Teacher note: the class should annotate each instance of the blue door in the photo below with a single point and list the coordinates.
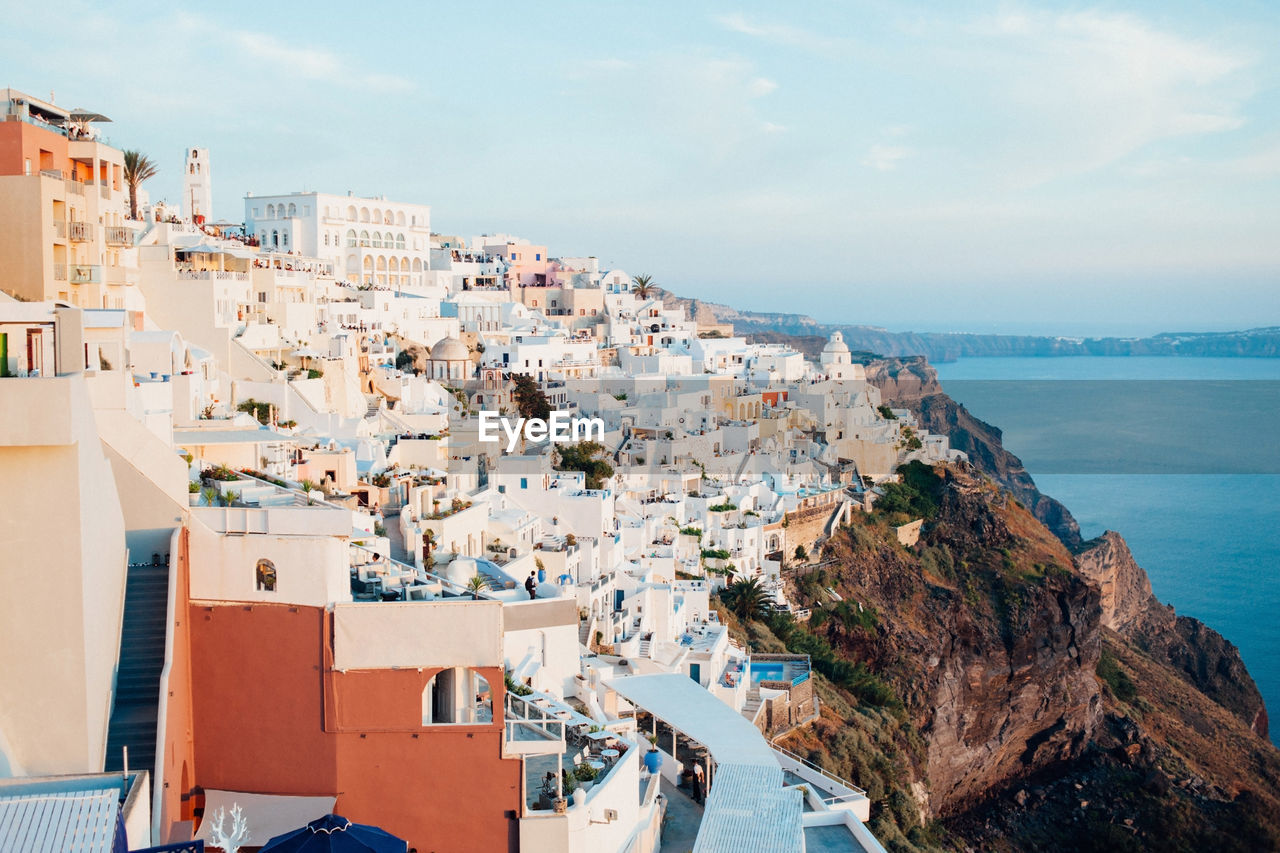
(695, 672)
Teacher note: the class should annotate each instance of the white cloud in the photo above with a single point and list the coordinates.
(760, 87)
(1087, 89)
(780, 33)
(884, 158)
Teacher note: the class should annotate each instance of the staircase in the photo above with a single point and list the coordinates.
(133, 718)
(373, 405)
(645, 648)
(751, 710)
(584, 632)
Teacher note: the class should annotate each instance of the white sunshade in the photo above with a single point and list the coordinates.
(686, 706)
(265, 815)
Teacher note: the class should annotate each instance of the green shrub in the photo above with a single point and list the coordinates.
(1117, 680)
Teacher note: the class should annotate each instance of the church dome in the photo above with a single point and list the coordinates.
(449, 349)
(836, 344)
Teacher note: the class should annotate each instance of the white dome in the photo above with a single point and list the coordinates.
(449, 349)
(836, 344)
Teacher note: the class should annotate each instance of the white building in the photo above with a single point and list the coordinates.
(197, 184)
(369, 240)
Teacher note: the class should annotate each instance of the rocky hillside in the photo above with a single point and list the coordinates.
(994, 690)
(912, 383)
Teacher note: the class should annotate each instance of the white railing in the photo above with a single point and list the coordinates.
(855, 791)
(520, 715)
(78, 232)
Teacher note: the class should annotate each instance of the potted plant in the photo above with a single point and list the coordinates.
(210, 496)
(476, 586)
(653, 758)
(193, 493)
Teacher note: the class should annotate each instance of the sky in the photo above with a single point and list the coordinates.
(957, 166)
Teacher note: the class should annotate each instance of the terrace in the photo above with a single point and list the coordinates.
(563, 751)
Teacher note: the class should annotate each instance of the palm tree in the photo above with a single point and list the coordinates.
(746, 598)
(645, 286)
(137, 168)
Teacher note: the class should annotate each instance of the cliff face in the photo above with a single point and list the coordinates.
(912, 383)
(1199, 654)
(986, 633)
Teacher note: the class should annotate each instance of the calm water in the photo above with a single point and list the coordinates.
(1209, 541)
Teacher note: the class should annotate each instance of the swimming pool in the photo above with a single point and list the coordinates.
(776, 670)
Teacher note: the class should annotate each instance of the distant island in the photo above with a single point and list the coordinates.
(948, 346)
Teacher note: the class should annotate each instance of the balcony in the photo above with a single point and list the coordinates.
(54, 173)
(86, 273)
(79, 232)
(118, 235)
(60, 230)
(120, 275)
(59, 272)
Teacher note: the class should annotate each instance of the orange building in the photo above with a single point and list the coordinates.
(64, 233)
(394, 708)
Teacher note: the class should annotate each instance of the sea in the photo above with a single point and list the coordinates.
(1179, 455)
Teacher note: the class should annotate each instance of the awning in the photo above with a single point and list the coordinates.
(267, 815)
(687, 707)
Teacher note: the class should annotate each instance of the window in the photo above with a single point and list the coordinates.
(364, 238)
(265, 576)
(457, 696)
(537, 256)
(271, 211)
(399, 241)
(275, 238)
(524, 482)
(351, 238)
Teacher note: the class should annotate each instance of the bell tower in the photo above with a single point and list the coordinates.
(197, 185)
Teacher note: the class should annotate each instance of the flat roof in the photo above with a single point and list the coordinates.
(187, 437)
(685, 705)
(55, 821)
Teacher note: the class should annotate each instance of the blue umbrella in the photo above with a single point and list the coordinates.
(336, 834)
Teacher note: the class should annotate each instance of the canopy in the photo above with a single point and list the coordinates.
(266, 815)
(81, 114)
(337, 834)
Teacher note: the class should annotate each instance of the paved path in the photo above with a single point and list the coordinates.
(398, 551)
(684, 816)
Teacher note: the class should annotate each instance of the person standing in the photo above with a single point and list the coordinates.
(531, 586)
(699, 783)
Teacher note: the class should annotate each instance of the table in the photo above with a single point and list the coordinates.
(610, 753)
(596, 764)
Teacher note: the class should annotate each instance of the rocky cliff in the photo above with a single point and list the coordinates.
(1198, 654)
(995, 690)
(912, 383)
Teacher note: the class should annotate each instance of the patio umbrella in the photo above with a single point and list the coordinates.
(335, 834)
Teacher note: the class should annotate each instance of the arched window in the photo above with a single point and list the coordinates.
(457, 696)
(393, 265)
(271, 211)
(265, 576)
(388, 218)
(293, 210)
(400, 217)
(377, 239)
(351, 238)
(417, 265)
(326, 238)
(364, 238)
(351, 213)
(364, 214)
(275, 238)
(284, 239)
(377, 216)
(399, 241)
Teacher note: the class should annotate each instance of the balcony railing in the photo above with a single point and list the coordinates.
(118, 235)
(79, 232)
(74, 186)
(59, 272)
(104, 190)
(86, 273)
(60, 230)
(54, 173)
